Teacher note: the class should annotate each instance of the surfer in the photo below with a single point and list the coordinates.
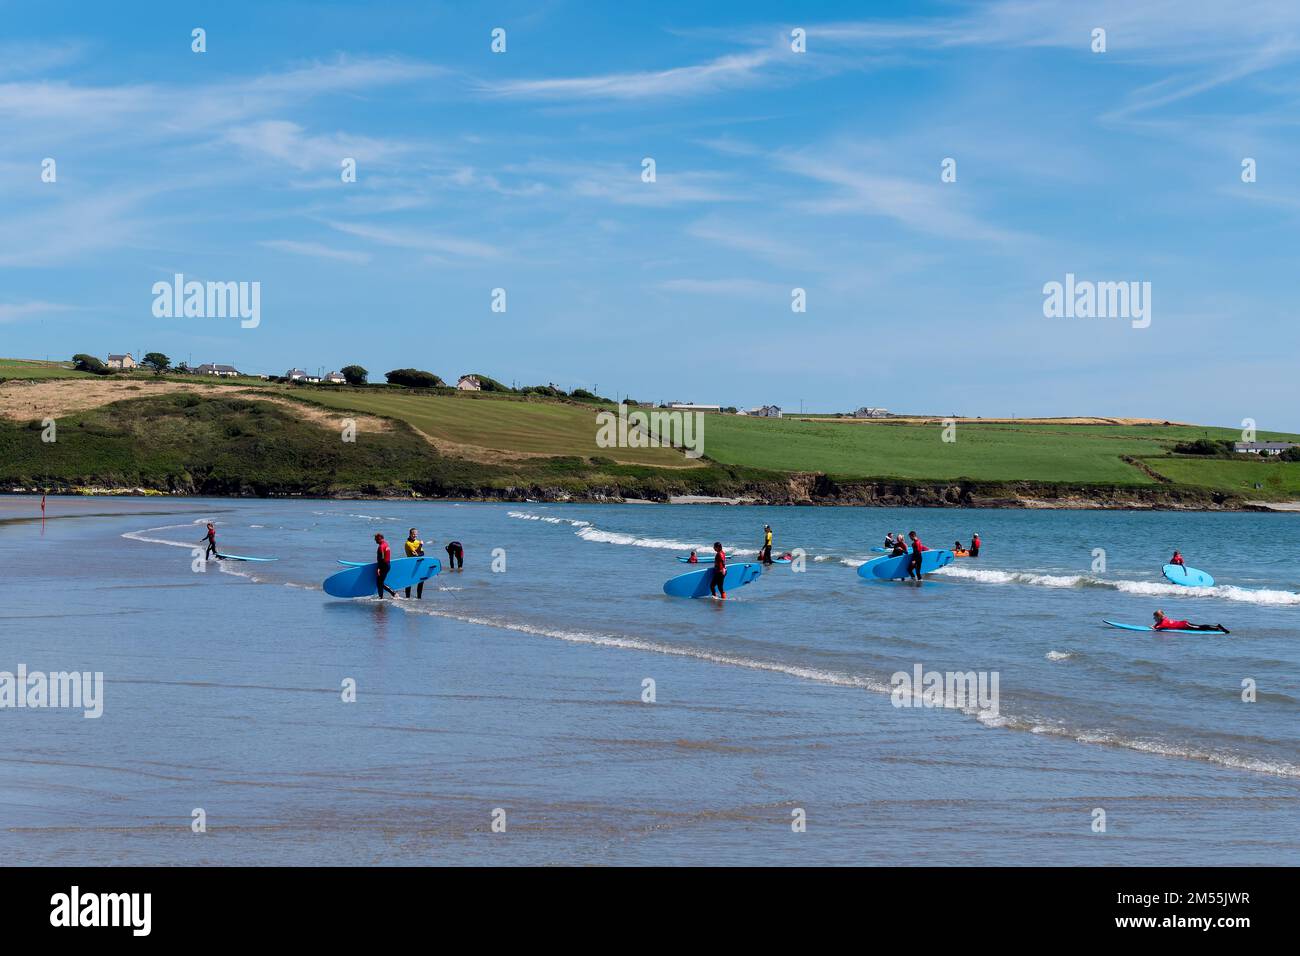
(717, 583)
(415, 549)
(693, 559)
(889, 541)
(914, 566)
(900, 546)
(455, 556)
(1164, 623)
(766, 554)
(1178, 559)
(975, 545)
(384, 560)
(211, 539)
(959, 551)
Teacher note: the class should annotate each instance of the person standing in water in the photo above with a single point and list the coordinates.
(717, 583)
(211, 539)
(914, 566)
(415, 549)
(900, 545)
(1178, 559)
(975, 545)
(766, 554)
(384, 560)
(889, 541)
(455, 556)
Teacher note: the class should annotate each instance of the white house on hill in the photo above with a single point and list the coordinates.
(866, 411)
(469, 383)
(223, 371)
(335, 378)
(121, 361)
(766, 411)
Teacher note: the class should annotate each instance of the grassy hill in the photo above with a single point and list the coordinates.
(185, 434)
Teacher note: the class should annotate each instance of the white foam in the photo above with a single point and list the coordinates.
(1058, 655)
(1225, 592)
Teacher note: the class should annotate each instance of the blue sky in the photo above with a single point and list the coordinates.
(775, 170)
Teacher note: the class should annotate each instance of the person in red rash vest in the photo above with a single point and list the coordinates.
(717, 584)
(383, 558)
(1165, 623)
(1177, 559)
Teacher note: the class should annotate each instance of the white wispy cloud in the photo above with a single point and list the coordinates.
(316, 250)
(732, 287)
(417, 240)
(18, 311)
(725, 72)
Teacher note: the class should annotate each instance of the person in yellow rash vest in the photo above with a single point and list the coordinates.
(415, 549)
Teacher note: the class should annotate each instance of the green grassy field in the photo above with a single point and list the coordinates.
(539, 427)
(1280, 480)
(32, 369)
(984, 452)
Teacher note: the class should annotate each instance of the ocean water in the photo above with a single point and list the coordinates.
(515, 694)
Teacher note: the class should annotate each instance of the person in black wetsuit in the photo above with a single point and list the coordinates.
(211, 539)
(455, 556)
(914, 565)
(718, 580)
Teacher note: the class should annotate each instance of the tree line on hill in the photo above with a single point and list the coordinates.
(158, 363)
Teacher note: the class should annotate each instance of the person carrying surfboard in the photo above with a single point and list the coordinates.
(211, 539)
(384, 560)
(900, 546)
(455, 556)
(1164, 623)
(914, 566)
(1177, 559)
(765, 555)
(414, 549)
(717, 584)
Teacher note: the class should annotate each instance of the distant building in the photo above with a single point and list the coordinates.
(335, 378)
(866, 411)
(765, 411)
(224, 371)
(296, 375)
(688, 407)
(1267, 448)
(469, 383)
(121, 361)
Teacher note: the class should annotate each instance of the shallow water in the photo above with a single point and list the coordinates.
(521, 690)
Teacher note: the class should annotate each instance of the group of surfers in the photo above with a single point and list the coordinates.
(1163, 622)
(414, 549)
(383, 558)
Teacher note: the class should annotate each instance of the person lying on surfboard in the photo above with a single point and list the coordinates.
(1177, 559)
(211, 539)
(1164, 623)
(719, 579)
(693, 559)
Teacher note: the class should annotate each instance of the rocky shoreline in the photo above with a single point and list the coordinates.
(798, 490)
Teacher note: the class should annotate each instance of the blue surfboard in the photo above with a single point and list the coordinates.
(695, 584)
(892, 569)
(242, 557)
(1188, 577)
(359, 581)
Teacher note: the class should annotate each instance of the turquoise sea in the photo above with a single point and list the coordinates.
(519, 695)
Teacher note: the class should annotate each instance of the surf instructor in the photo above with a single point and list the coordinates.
(415, 549)
(914, 566)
